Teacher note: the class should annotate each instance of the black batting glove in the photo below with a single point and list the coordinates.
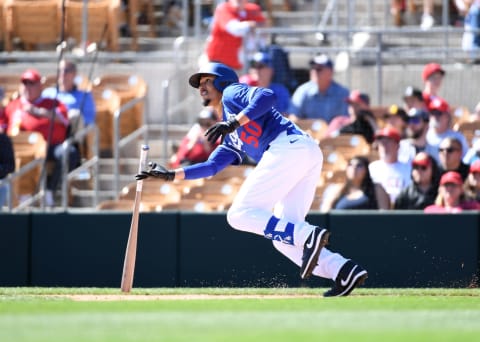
(157, 171)
(221, 129)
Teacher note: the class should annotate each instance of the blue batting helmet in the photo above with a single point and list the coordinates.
(224, 75)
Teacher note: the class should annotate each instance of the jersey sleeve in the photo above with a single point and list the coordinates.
(219, 159)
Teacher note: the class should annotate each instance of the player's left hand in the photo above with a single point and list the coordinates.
(157, 171)
(221, 129)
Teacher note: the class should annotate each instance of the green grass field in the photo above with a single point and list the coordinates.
(90, 314)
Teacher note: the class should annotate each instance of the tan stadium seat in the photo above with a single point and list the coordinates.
(128, 87)
(28, 146)
(107, 101)
(33, 22)
(103, 16)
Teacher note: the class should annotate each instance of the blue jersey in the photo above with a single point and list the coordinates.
(251, 139)
(265, 124)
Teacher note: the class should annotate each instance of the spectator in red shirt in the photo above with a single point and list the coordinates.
(233, 21)
(451, 196)
(432, 76)
(31, 112)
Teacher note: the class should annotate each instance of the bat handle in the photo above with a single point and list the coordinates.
(143, 157)
(141, 166)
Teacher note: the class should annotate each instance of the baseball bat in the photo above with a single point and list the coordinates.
(131, 251)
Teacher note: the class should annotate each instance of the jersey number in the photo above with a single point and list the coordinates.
(250, 134)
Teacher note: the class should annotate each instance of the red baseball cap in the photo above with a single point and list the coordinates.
(430, 69)
(421, 159)
(31, 75)
(389, 132)
(451, 177)
(475, 166)
(439, 104)
(358, 98)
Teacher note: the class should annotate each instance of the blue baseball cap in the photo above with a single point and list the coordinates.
(259, 59)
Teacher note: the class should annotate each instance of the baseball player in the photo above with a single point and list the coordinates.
(289, 163)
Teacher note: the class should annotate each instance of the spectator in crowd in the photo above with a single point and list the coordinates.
(472, 183)
(359, 191)
(441, 126)
(450, 157)
(7, 164)
(194, 147)
(413, 98)
(360, 120)
(416, 136)
(473, 153)
(32, 112)
(451, 196)
(432, 76)
(260, 74)
(424, 187)
(321, 97)
(471, 40)
(387, 171)
(80, 104)
(233, 21)
(396, 117)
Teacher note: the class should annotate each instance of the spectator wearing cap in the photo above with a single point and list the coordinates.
(441, 126)
(432, 76)
(194, 147)
(321, 97)
(424, 187)
(260, 74)
(451, 196)
(472, 183)
(388, 171)
(360, 120)
(31, 112)
(413, 98)
(450, 157)
(416, 136)
(396, 117)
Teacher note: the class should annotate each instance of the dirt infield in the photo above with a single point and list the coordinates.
(133, 297)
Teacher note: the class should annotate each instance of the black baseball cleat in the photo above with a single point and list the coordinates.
(350, 276)
(311, 250)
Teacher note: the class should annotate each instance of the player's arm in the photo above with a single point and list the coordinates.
(260, 101)
(220, 158)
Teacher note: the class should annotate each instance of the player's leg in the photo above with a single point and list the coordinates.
(286, 164)
(294, 206)
(252, 207)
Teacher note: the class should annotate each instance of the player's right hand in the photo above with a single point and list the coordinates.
(157, 171)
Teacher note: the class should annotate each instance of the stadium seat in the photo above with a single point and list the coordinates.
(107, 101)
(128, 87)
(155, 193)
(28, 146)
(471, 130)
(347, 145)
(33, 22)
(10, 84)
(103, 16)
(219, 194)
